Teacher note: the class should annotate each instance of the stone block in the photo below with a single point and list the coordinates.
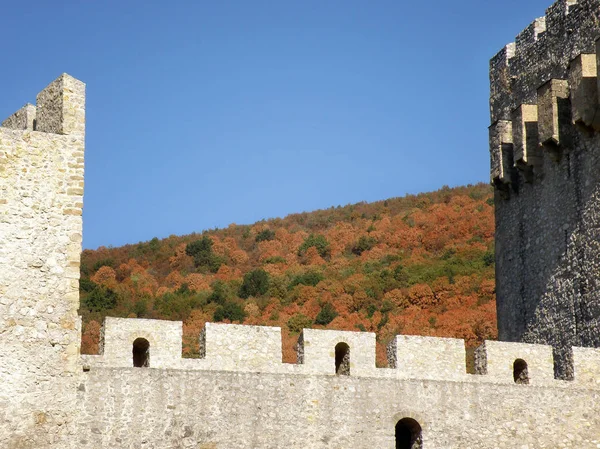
(519, 363)
(428, 357)
(336, 352)
(163, 339)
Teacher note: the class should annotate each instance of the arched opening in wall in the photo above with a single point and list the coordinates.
(342, 359)
(520, 373)
(408, 434)
(141, 353)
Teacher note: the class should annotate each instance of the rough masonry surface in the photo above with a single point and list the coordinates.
(139, 392)
(545, 152)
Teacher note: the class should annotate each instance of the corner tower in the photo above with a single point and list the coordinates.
(545, 168)
(41, 194)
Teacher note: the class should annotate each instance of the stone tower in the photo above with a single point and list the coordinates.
(41, 194)
(545, 157)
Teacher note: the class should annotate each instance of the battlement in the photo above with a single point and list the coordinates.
(540, 53)
(60, 109)
(257, 349)
(540, 86)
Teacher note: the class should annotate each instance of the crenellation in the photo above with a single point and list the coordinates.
(501, 153)
(257, 349)
(542, 52)
(556, 15)
(500, 81)
(501, 359)
(236, 347)
(23, 119)
(61, 107)
(164, 338)
(586, 362)
(319, 351)
(431, 358)
(530, 35)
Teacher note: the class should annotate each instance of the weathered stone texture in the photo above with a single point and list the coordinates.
(544, 149)
(39, 289)
(241, 395)
(542, 52)
(499, 362)
(24, 118)
(199, 409)
(427, 357)
(545, 164)
(120, 333)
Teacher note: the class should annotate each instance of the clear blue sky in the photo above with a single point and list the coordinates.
(206, 113)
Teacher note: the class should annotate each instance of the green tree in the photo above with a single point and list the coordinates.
(298, 322)
(104, 263)
(309, 278)
(201, 251)
(87, 285)
(140, 308)
(326, 314)
(99, 299)
(231, 311)
(364, 243)
(220, 293)
(318, 241)
(265, 235)
(154, 245)
(489, 258)
(278, 287)
(255, 283)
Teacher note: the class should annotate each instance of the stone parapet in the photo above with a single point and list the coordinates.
(24, 118)
(257, 349)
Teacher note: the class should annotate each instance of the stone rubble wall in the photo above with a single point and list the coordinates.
(545, 160)
(41, 188)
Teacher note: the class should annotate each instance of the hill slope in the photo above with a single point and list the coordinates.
(421, 264)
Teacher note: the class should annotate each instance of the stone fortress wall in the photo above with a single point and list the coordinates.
(545, 153)
(41, 192)
(140, 393)
(240, 394)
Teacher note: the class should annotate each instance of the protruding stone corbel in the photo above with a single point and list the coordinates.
(583, 80)
(554, 115)
(527, 153)
(500, 137)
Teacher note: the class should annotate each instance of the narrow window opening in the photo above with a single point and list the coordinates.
(520, 373)
(342, 359)
(408, 434)
(141, 353)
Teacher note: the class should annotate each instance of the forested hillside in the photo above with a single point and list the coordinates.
(421, 264)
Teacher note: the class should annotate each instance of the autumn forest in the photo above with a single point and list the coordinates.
(421, 264)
